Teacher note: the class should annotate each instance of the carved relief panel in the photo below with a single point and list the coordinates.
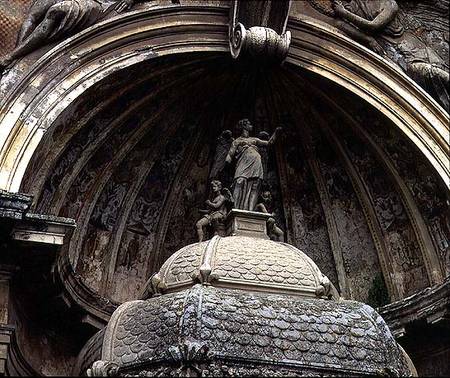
(399, 236)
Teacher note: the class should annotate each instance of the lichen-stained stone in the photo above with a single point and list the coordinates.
(201, 320)
(260, 264)
(228, 327)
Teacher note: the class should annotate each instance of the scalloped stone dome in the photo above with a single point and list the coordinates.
(244, 306)
(208, 331)
(243, 262)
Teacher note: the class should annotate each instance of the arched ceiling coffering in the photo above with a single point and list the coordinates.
(118, 132)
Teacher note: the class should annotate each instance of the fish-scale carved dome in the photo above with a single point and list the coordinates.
(243, 262)
(212, 331)
(245, 306)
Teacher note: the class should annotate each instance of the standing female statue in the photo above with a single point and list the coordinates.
(249, 171)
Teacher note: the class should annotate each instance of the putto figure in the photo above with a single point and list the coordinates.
(249, 171)
(273, 230)
(217, 209)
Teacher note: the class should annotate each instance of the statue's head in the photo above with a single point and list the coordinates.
(244, 124)
(216, 185)
(227, 134)
(264, 135)
(266, 196)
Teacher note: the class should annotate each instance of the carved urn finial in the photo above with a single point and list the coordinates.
(258, 29)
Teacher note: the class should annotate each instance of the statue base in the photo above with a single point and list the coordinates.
(247, 223)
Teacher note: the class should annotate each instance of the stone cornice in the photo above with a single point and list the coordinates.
(14, 205)
(44, 92)
(431, 305)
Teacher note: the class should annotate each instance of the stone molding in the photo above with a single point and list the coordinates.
(17, 365)
(431, 305)
(96, 310)
(33, 106)
(14, 205)
(30, 227)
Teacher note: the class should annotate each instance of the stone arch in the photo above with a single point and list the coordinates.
(41, 95)
(39, 99)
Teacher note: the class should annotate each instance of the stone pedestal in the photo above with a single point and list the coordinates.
(247, 223)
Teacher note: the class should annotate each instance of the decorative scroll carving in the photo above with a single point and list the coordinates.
(103, 369)
(258, 29)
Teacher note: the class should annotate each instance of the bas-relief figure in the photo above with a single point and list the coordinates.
(53, 20)
(390, 29)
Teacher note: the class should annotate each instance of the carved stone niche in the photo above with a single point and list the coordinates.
(258, 29)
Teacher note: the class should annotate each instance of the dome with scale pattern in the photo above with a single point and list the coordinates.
(243, 262)
(243, 306)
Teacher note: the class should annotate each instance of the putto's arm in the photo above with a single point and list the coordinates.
(217, 203)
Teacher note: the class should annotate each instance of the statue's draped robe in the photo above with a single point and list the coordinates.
(249, 169)
(78, 14)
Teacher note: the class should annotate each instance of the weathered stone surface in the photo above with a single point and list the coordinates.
(250, 262)
(234, 327)
(78, 151)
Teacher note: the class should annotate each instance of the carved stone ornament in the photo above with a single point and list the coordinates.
(405, 33)
(54, 20)
(103, 369)
(259, 30)
(188, 355)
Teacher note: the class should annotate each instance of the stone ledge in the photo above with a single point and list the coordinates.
(431, 305)
(44, 229)
(14, 205)
(25, 226)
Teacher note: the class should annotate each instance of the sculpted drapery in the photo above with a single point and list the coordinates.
(249, 171)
